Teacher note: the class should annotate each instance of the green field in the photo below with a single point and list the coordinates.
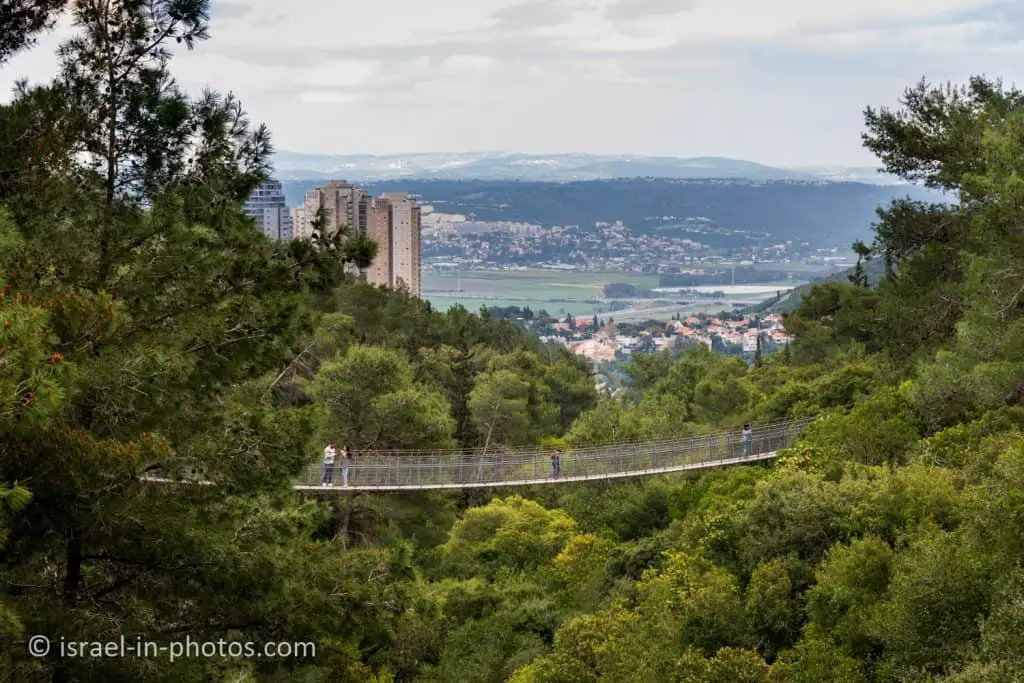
(532, 283)
(557, 292)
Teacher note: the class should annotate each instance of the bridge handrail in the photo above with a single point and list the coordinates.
(510, 450)
(447, 469)
(453, 469)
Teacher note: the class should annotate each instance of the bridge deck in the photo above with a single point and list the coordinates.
(394, 471)
(564, 478)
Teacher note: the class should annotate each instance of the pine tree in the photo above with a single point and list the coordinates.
(22, 20)
(347, 248)
(159, 312)
(140, 121)
(859, 278)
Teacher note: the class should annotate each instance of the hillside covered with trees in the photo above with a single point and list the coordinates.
(148, 326)
(823, 214)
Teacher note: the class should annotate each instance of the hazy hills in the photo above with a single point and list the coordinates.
(552, 167)
(821, 213)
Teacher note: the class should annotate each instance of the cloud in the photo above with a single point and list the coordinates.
(337, 73)
(315, 25)
(771, 81)
(938, 37)
(605, 71)
(223, 9)
(531, 15)
(635, 9)
(330, 97)
(1005, 20)
(460, 64)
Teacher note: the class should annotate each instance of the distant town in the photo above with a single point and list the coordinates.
(607, 341)
(453, 241)
(412, 238)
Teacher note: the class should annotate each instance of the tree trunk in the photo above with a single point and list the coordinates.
(107, 228)
(73, 571)
(72, 581)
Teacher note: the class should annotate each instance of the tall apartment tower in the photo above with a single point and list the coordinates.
(344, 204)
(268, 207)
(394, 224)
(301, 230)
(379, 230)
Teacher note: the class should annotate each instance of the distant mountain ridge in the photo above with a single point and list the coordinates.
(546, 167)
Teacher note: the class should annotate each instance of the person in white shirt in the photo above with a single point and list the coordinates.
(746, 440)
(328, 465)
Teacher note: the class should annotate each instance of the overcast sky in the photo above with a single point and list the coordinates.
(781, 82)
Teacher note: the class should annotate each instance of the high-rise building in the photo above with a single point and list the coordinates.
(344, 204)
(394, 224)
(301, 230)
(391, 220)
(268, 207)
(379, 230)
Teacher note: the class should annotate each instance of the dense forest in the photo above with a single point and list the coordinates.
(149, 327)
(824, 214)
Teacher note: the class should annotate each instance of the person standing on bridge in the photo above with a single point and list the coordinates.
(346, 462)
(328, 465)
(747, 432)
(556, 464)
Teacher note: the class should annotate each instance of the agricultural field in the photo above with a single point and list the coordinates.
(560, 292)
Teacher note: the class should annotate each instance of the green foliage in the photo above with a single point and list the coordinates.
(878, 430)
(884, 545)
(499, 406)
(850, 582)
(372, 401)
(833, 315)
(512, 533)
(770, 607)
(22, 20)
(938, 593)
(146, 328)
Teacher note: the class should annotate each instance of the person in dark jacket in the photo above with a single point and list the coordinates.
(346, 462)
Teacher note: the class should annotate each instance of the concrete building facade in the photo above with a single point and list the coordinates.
(301, 230)
(344, 205)
(395, 224)
(379, 230)
(268, 207)
(405, 242)
(392, 220)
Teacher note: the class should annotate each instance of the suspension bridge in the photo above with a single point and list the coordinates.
(426, 470)
(420, 470)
